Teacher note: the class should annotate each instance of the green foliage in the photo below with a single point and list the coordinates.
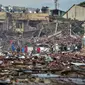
(82, 4)
(44, 9)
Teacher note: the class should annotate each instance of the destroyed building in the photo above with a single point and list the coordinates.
(21, 21)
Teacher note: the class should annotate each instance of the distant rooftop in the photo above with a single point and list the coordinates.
(18, 9)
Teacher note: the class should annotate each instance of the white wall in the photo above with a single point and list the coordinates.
(76, 12)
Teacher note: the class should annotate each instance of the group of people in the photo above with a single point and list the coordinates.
(19, 49)
(25, 49)
(71, 47)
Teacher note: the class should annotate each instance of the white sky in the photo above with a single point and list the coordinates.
(63, 4)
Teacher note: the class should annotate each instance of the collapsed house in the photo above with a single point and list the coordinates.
(21, 22)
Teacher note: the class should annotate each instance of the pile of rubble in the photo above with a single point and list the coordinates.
(42, 68)
(44, 60)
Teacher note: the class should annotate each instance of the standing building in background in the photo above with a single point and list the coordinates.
(57, 12)
(76, 12)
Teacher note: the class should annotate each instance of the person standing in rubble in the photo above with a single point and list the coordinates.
(76, 48)
(26, 49)
(79, 46)
(18, 49)
(38, 50)
(22, 50)
(13, 47)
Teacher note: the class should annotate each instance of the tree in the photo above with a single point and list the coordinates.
(37, 10)
(44, 9)
(82, 4)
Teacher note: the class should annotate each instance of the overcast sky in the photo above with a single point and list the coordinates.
(63, 4)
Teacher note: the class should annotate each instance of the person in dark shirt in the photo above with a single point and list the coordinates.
(18, 49)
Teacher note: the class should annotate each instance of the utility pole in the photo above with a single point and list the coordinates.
(56, 26)
(40, 30)
(56, 4)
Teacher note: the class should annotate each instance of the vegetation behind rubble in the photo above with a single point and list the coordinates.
(82, 4)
